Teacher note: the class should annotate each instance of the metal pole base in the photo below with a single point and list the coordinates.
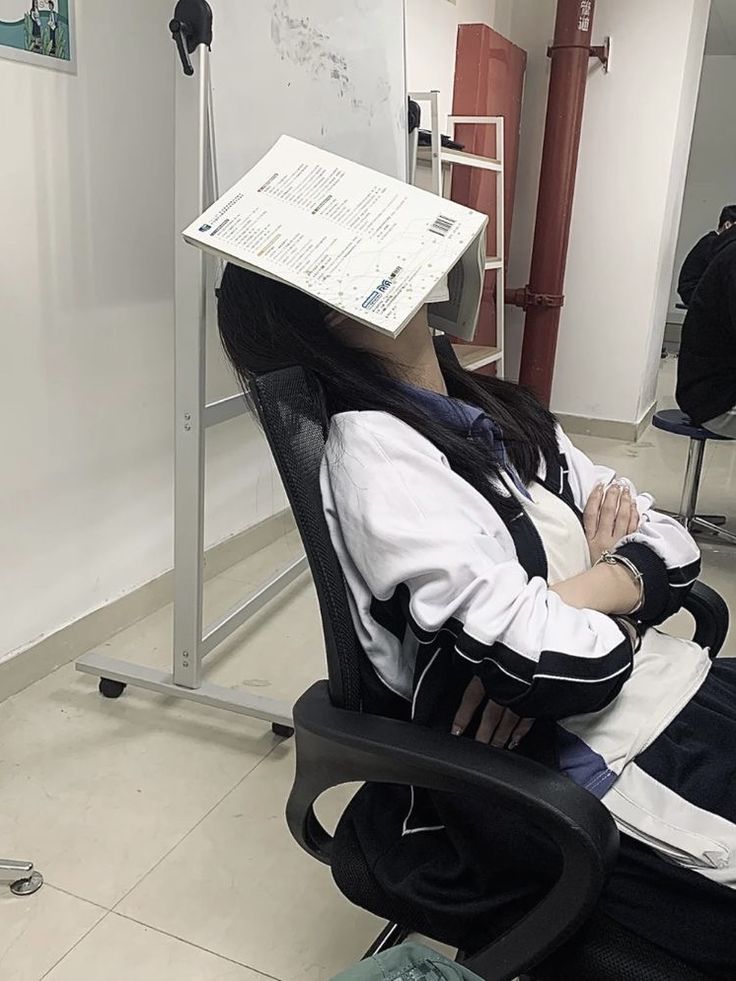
(116, 675)
(701, 524)
(162, 682)
(704, 524)
(23, 879)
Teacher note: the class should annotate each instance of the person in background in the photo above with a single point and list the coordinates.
(706, 368)
(53, 24)
(35, 16)
(699, 256)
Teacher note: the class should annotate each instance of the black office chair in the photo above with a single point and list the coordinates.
(337, 743)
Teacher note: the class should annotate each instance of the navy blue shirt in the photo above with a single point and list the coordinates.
(469, 421)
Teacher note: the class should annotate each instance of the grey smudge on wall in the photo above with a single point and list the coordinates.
(300, 42)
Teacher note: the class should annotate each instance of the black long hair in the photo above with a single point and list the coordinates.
(266, 325)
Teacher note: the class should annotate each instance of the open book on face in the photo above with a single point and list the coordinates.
(367, 245)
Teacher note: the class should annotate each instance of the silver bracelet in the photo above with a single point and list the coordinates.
(613, 558)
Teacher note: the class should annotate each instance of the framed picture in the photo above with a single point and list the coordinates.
(40, 32)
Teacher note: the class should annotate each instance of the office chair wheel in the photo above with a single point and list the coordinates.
(110, 688)
(284, 732)
(26, 887)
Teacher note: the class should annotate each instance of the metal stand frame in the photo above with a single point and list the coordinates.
(195, 190)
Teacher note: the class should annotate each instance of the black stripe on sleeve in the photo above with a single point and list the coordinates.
(656, 580)
(559, 685)
(394, 615)
(664, 589)
(568, 667)
(389, 615)
(685, 576)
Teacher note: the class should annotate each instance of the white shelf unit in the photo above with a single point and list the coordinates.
(441, 160)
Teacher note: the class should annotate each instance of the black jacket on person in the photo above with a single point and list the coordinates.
(695, 265)
(706, 371)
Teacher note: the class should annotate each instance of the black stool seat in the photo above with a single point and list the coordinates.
(674, 421)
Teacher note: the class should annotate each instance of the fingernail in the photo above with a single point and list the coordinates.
(456, 731)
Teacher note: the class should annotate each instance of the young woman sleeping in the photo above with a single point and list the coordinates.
(505, 587)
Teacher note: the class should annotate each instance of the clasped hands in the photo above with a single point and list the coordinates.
(610, 515)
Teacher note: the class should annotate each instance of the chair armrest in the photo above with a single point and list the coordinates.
(710, 612)
(334, 746)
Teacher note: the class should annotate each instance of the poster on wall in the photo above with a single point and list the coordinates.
(38, 31)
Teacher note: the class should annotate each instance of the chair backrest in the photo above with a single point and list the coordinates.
(291, 408)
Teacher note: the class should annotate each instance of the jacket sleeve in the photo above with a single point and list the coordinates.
(662, 549)
(413, 526)
(694, 266)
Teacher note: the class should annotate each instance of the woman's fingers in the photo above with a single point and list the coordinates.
(472, 699)
(498, 726)
(519, 732)
(592, 511)
(505, 729)
(634, 518)
(493, 716)
(623, 515)
(501, 727)
(610, 509)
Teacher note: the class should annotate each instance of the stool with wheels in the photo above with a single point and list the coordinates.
(676, 422)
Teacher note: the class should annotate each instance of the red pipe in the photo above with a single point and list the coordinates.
(570, 53)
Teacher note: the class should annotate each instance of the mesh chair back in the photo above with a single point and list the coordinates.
(291, 407)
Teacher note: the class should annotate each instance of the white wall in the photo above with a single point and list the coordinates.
(711, 176)
(86, 302)
(633, 158)
(431, 39)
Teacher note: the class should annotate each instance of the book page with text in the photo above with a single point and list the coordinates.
(363, 243)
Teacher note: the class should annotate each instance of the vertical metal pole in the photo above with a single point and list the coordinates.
(192, 187)
(691, 484)
(437, 175)
(501, 249)
(213, 191)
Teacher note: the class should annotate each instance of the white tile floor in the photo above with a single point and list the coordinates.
(159, 824)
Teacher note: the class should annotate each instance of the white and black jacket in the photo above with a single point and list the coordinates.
(445, 585)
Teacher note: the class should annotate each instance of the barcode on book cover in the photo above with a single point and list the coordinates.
(442, 225)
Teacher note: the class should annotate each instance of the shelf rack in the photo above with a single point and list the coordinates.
(441, 160)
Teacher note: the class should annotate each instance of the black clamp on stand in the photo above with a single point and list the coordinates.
(191, 26)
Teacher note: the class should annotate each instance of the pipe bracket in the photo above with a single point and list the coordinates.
(526, 298)
(600, 51)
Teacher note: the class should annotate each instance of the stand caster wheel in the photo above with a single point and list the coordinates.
(26, 887)
(284, 732)
(110, 688)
